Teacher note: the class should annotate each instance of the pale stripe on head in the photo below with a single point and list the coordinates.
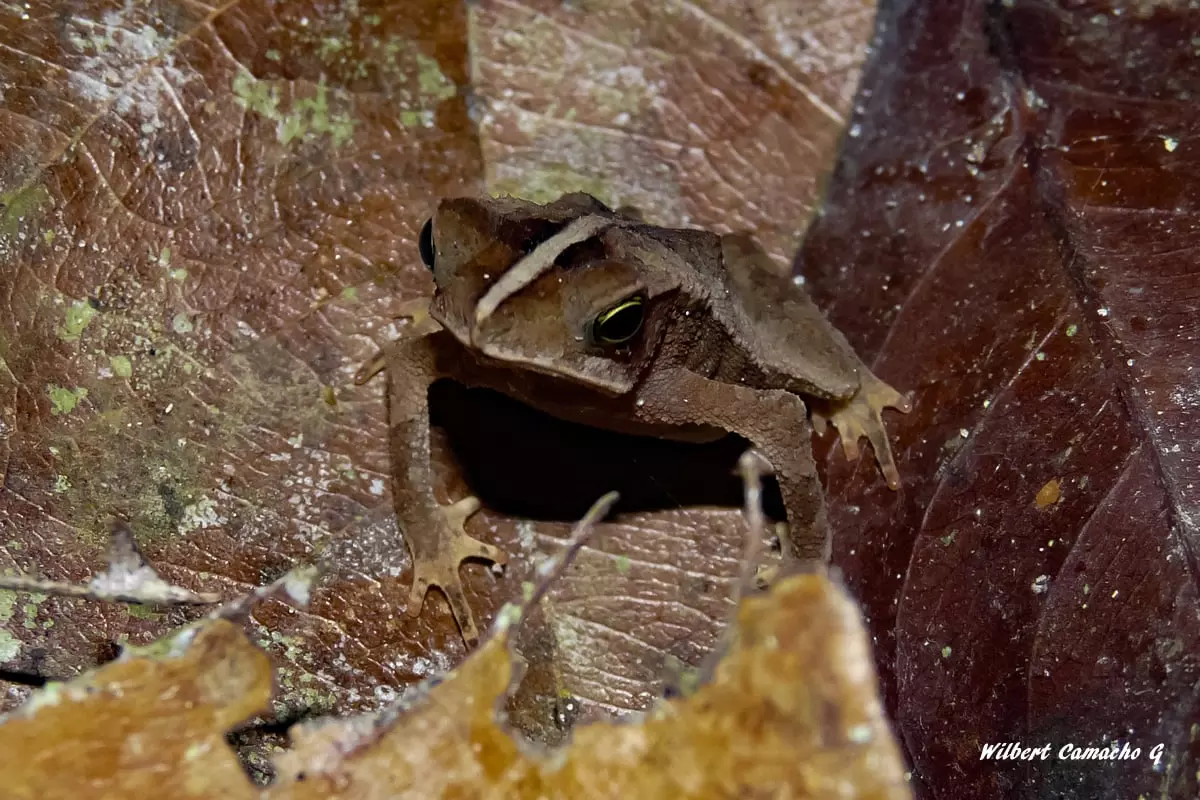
(536, 263)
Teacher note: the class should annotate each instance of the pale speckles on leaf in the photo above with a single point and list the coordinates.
(10, 648)
(526, 536)
(65, 399)
(8, 602)
(129, 66)
(181, 324)
(201, 514)
(79, 314)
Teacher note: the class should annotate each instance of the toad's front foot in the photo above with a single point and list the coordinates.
(438, 564)
(860, 416)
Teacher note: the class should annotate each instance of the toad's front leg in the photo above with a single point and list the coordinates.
(775, 423)
(434, 532)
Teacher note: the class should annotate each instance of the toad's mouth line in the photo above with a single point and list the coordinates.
(524, 463)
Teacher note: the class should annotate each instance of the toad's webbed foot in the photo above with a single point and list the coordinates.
(438, 564)
(860, 416)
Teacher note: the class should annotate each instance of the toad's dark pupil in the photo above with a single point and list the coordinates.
(620, 323)
(425, 242)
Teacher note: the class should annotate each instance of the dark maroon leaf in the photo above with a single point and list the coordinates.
(1016, 211)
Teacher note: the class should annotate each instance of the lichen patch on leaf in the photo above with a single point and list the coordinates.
(122, 366)
(306, 116)
(17, 205)
(10, 646)
(79, 314)
(432, 82)
(65, 399)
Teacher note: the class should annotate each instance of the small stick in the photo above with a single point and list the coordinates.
(550, 571)
(294, 586)
(752, 466)
(129, 578)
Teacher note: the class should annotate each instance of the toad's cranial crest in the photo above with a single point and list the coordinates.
(536, 263)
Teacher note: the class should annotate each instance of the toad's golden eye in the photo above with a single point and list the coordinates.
(620, 323)
(425, 243)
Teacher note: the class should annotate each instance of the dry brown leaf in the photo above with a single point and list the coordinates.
(715, 113)
(793, 711)
(152, 724)
(207, 221)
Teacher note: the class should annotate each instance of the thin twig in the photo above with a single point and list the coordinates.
(550, 570)
(295, 586)
(129, 578)
(752, 466)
